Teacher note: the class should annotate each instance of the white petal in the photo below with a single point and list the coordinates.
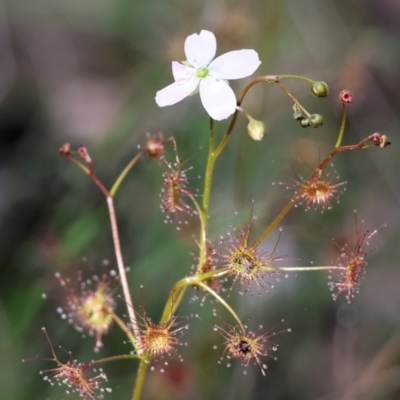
(174, 92)
(200, 48)
(182, 73)
(217, 97)
(235, 64)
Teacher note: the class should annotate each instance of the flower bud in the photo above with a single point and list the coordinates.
(346, 96)
(384, 141)
(84, 154)
(305, 122)
(257, 129)
(65, 149)
(316, 120)
(320, 89)
(379, 139)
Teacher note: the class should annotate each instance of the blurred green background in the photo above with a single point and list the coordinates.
(86, 72)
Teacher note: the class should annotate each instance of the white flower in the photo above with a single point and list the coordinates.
(200, 73)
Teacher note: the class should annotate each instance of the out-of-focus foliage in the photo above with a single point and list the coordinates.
(86, 72)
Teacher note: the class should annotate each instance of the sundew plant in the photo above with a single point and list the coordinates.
(236, 262)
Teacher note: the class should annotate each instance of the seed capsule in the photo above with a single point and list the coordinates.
(316, 120)
(305, 122)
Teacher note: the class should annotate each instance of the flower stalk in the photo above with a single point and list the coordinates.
(114, 231)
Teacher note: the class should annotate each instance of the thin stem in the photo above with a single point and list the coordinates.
(126, 170)
(276, 221)
(342, 127)
(216, 273)
(116, 358)
(99, 184)
(209, 169)
(319, 268)
(291, 95)
(298, 77)
(179, 289)
(203, 213)
(124, 328)
(89, 172)
(176, 295)
(50, 344)
(174, 299)
(245, 113)
(141, 374)
(203, 230)
(121, 268)
(223, 302)
(78, 164)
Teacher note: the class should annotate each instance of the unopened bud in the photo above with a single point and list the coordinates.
(65, 149)
(316, 120)
(384, 141)
(375, 138)
(84, 154)
(379, 140)
(320, 89)
(346, 96)
(257, 129)
(305, 122)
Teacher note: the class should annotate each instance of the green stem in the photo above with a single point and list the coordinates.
(141, 374)
(342, 126)
(293, 97)
(203, 232)
(276, 221)
(176, 295)
(195, 280)
(245, 113)
(298, 77)
(125, 171)
(78, 164)
(203, 213)
(215, 273)
(116, 358)
(179, 289)
(223, 302)
(123, 327)
(320, 268)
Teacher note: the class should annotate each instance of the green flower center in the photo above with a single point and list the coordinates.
(202, 72)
